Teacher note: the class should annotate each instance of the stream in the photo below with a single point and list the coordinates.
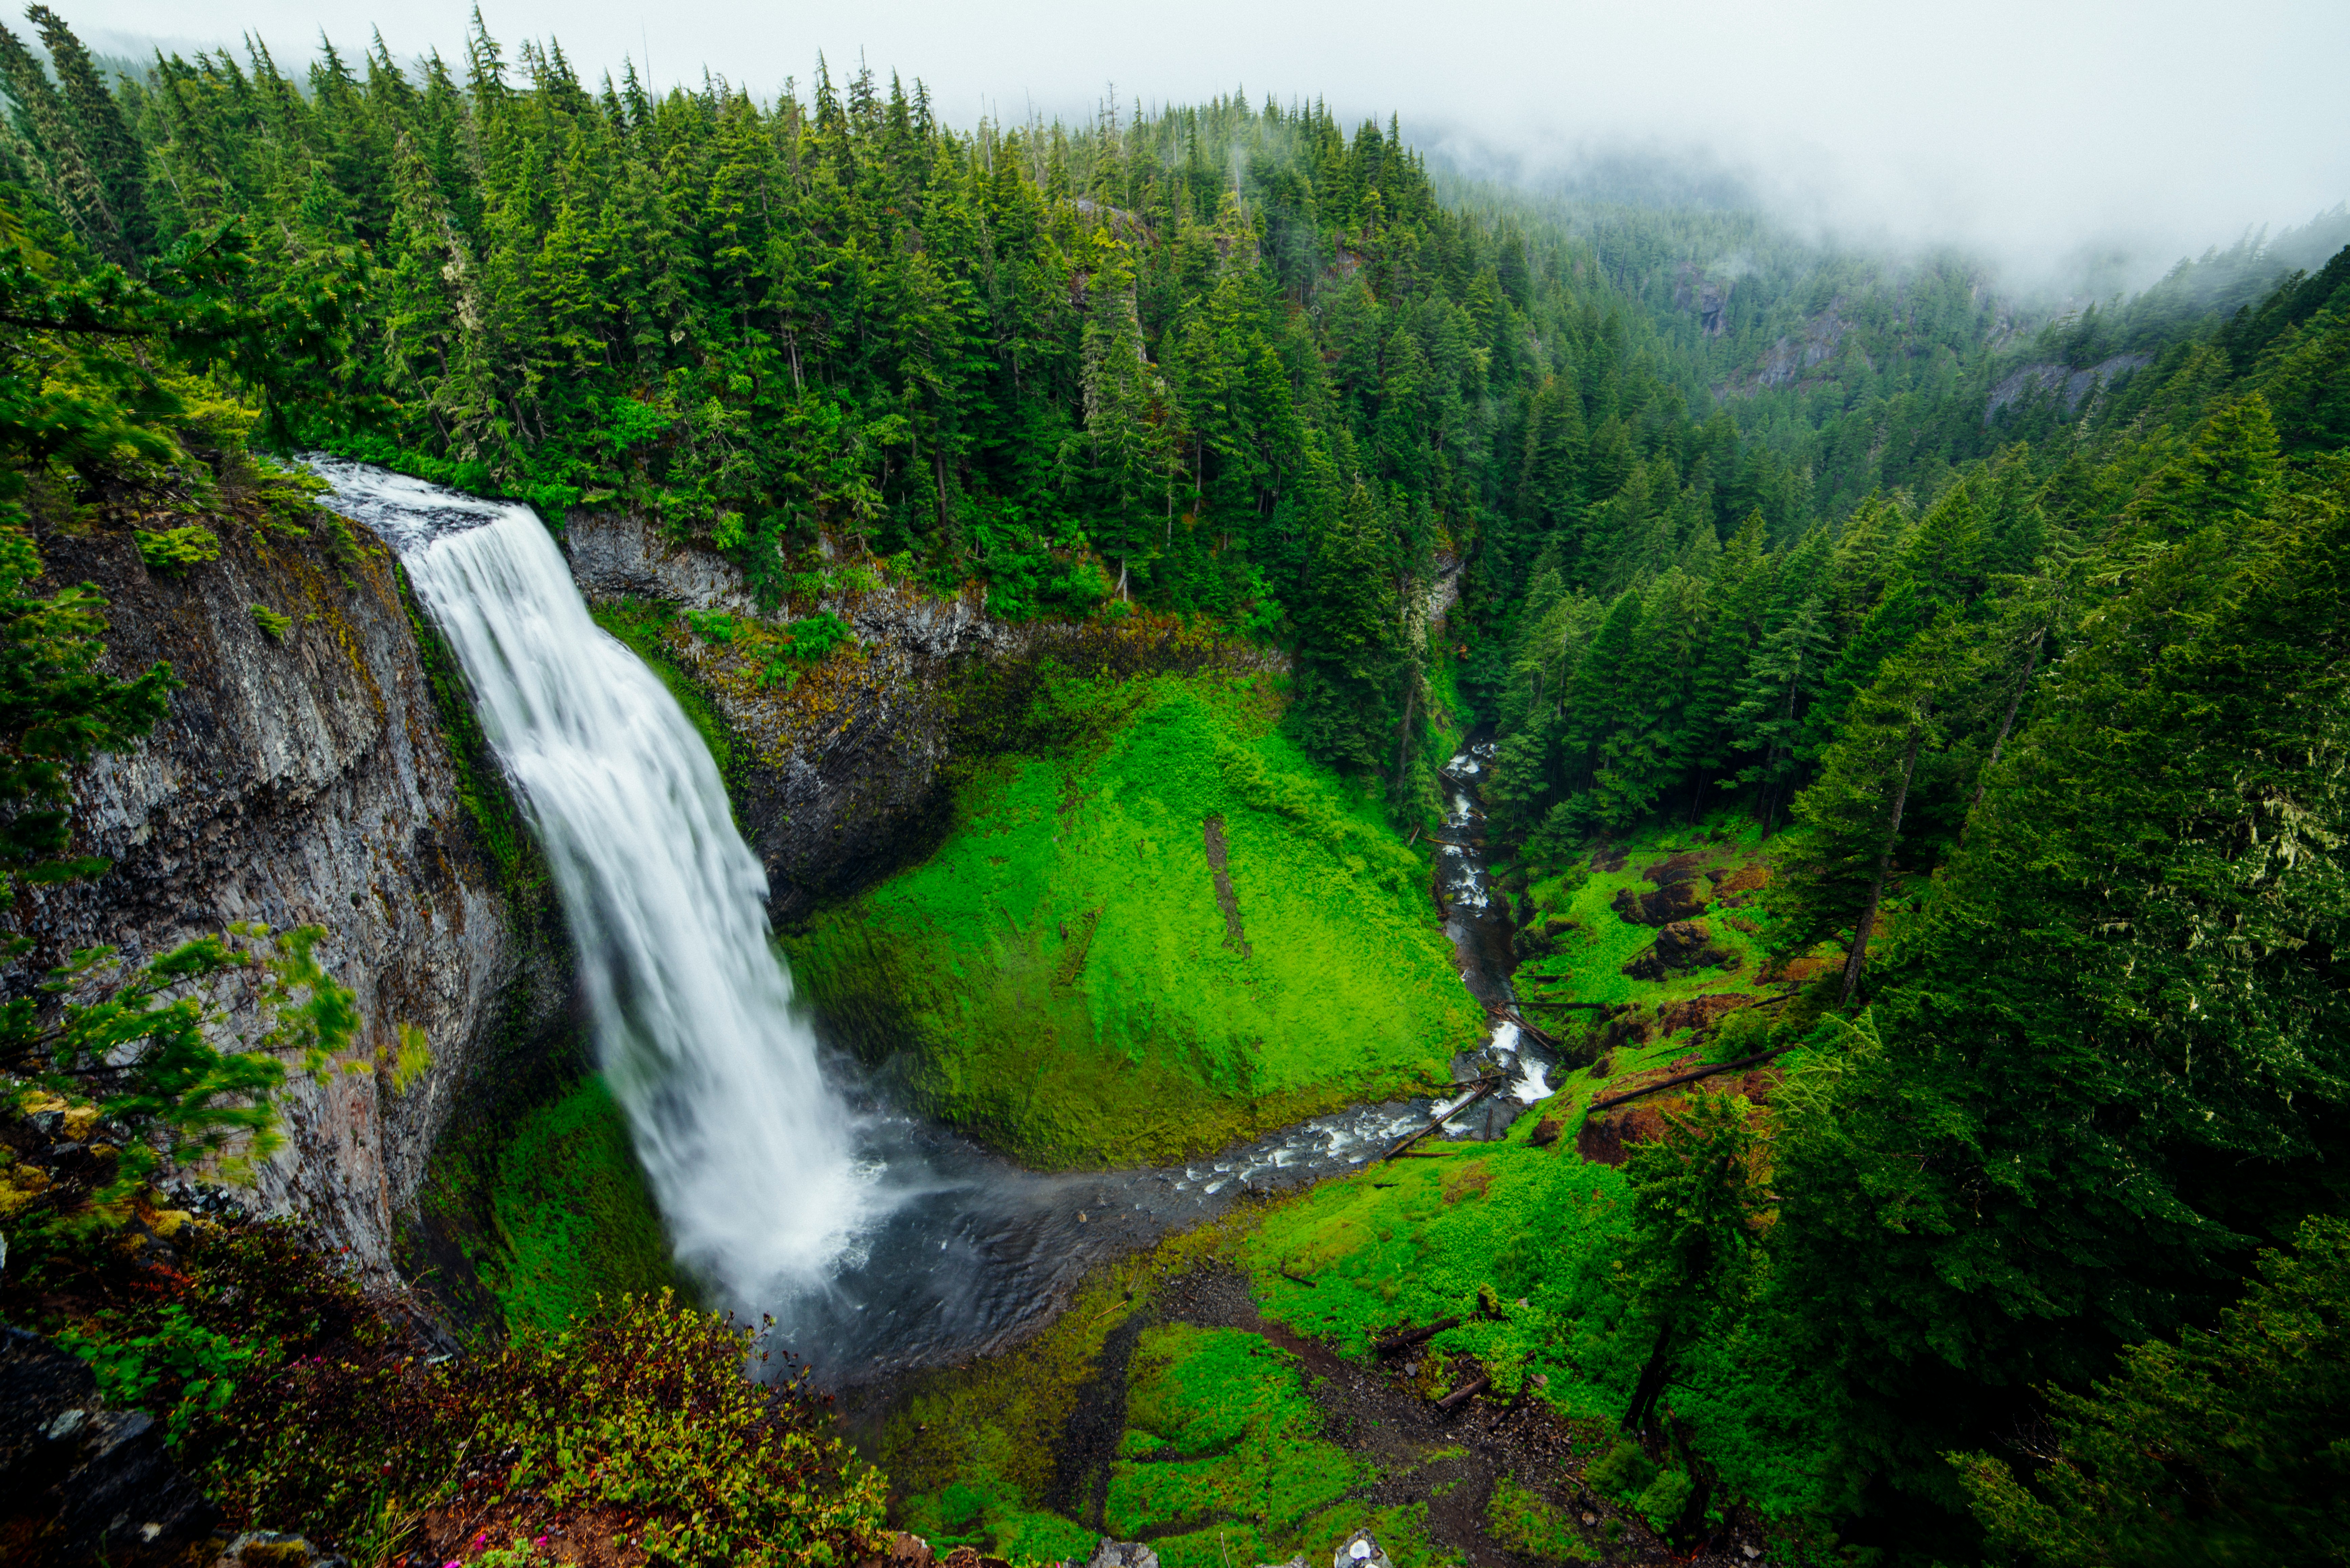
(878, 1240)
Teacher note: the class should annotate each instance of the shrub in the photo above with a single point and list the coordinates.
(171, 551)
(640, 1405)
(1622, 1473)
(273, 625)
(1663, 1501)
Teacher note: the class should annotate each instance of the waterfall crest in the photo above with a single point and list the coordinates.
(752, 1155)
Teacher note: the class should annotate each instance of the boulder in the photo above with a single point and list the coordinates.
(904, 1552)
(1674, 901)
(1360, 1550)
(1702, 1012)
(266, 1549)
(1675, 868)
(1122, 1555)
(1682, 946)
(83, 1481)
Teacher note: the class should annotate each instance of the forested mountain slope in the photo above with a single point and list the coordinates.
(2032, 688)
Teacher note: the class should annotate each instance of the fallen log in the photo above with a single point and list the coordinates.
(1487, 1087)
(1541, 1037)
(1396, 1343)
(1463, 1394)
(1674, 1083)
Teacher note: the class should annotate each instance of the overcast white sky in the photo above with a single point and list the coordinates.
(2028, 129)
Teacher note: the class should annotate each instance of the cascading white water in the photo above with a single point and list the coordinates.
(881, 1241)
(751, 1153)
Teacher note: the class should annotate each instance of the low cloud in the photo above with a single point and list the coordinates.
(2053, 138)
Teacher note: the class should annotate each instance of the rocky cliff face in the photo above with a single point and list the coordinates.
(299, 782)
(843, 779)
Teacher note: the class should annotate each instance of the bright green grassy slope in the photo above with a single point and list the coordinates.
(572, 1212)
(1063, 970)
(1224, 1459)
(1526, 1242)
(1587, 960)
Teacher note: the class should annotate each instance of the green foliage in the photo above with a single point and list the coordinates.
(273, 625)
(57, 710)
(141, 1056)
(640, 1405)
(1063, 968)
(2114, 1009)
(1414, 1240)
(1532, 1526)
(1623, 1473)
(2225, 1447)
(1665, 1500)
(643, 1405)
(1218, 1426)
(572, 1214)
(203, 1364)
(172, 551)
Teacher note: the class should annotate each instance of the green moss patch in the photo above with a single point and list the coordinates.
(1070, 986)
(1532, 1526)
(1519, 1242)
(572, 1213)
(1222, 1459)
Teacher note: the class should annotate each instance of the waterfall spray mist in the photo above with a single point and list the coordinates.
(751, 1154)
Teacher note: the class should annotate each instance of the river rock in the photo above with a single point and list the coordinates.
(294, 782)
(1122, 1555)
(1360, 1550)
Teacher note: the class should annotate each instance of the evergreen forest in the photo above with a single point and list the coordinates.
(1999, 647)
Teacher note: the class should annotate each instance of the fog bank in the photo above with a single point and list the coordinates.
(2042, 135)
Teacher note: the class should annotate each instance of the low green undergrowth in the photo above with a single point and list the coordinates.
(294, 1402)
(1063, 968)
(1530, 1246)
(572, 1212)
(1534, 1526)
(1582, 960)
(1223, 1457)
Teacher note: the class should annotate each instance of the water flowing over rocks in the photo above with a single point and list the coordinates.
(830, 804)
(297, 781)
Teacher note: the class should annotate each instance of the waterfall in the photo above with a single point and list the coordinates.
(752, 1156)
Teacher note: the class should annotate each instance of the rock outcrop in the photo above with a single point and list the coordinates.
(845, 778)
(2064, 383)
(1681, 945)
(301, 781)
(79, 1482)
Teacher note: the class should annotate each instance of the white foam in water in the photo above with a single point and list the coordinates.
(751, 1154)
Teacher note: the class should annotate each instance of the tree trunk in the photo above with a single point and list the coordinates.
(1403, 742)
(1852, 965)
(2031, 662)
(1651, 1386)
